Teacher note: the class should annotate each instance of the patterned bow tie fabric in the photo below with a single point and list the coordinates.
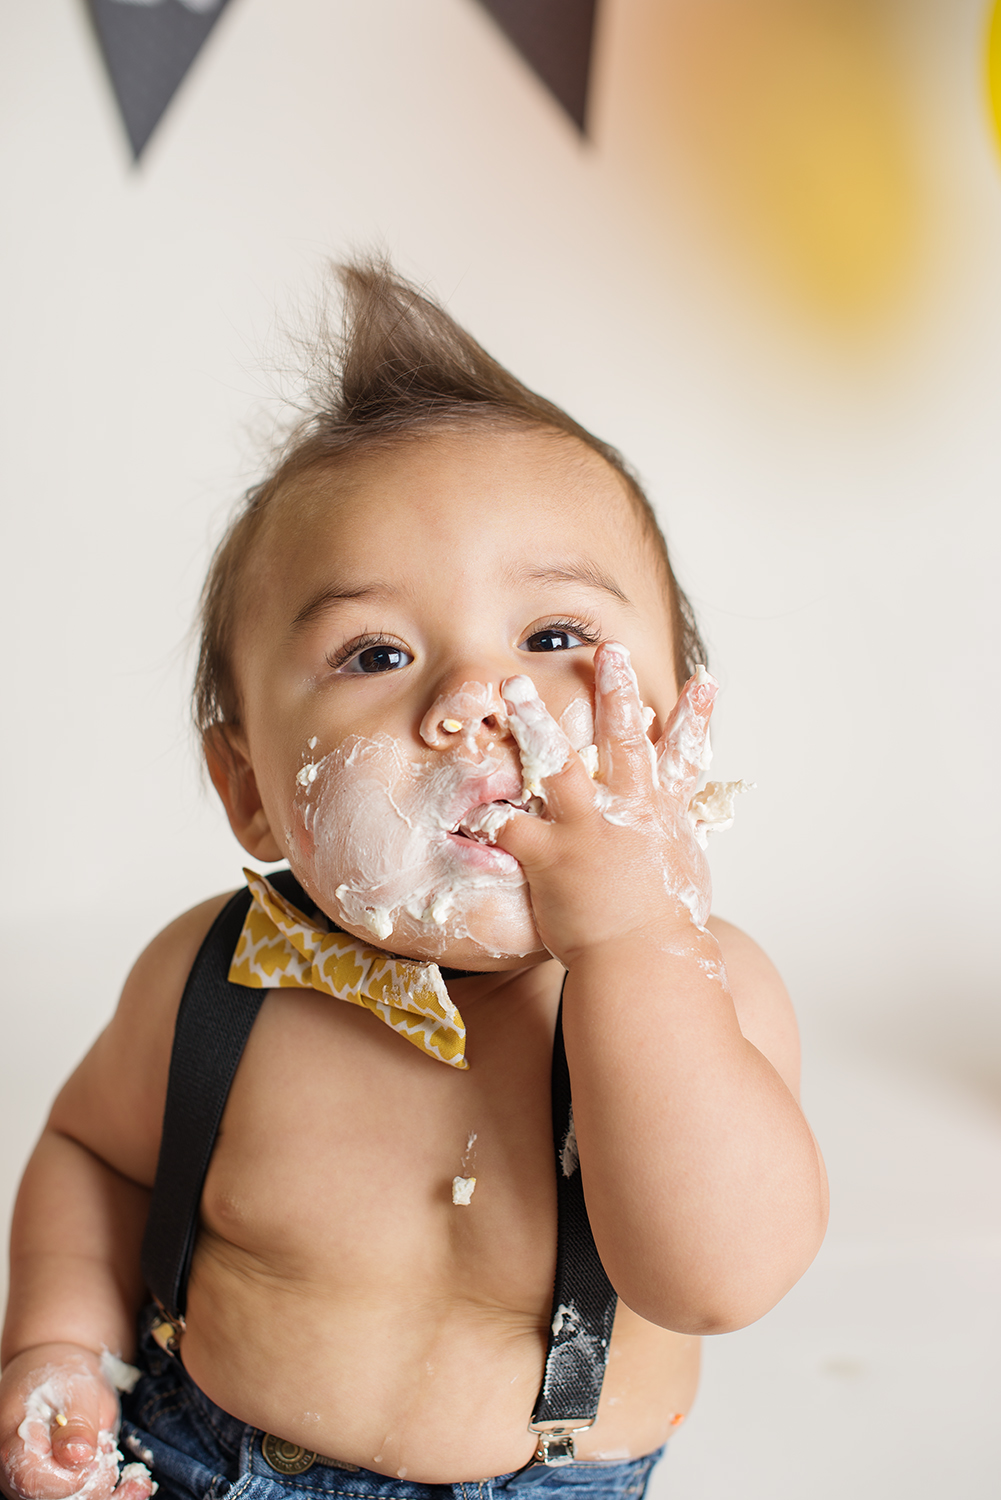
(280, 948)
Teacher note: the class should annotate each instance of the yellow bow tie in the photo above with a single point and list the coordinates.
(281, 948)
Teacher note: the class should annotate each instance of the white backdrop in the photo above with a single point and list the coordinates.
(834, 515)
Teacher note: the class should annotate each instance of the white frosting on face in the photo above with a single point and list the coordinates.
(399, 843)
(375, 841)
(484, 823)
(461, 713)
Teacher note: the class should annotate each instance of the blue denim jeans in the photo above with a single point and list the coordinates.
(197, 1451)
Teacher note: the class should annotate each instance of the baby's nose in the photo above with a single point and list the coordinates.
(471, 713)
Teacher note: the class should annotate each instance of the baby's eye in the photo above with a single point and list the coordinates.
(382, 656)
(555, 638)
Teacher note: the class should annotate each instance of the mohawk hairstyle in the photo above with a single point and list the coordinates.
(401, 368)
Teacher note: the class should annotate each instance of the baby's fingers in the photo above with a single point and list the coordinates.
(625, 754)
(56, 1437)
(543, 746)
(136, 1483)
(684, 750)
(73, 1439)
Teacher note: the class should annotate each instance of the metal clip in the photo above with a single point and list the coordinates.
(555, 1449)
(167, 1331)
(556, 1446)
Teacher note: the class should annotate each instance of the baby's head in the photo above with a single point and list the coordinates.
(431, 529)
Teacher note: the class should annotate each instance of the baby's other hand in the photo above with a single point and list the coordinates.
(616, 854)
(58, 1425)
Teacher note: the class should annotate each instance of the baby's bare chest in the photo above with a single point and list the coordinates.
(341, 1145)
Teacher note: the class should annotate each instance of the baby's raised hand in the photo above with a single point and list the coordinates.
(58, 1425)
(616, 854)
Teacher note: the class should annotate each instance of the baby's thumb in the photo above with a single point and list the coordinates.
(74, 1439)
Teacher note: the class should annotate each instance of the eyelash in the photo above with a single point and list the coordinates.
(336, 659)
(587, 632)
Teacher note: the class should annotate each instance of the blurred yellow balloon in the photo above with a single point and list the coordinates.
(994, 64)
(795, 121)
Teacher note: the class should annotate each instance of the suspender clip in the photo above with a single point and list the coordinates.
(167, 1330)
(556, 1446)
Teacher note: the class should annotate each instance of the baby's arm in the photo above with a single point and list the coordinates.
(704, 1186)
(75, 1280)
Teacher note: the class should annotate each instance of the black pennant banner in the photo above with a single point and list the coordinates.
(148, 47)
(555, 38)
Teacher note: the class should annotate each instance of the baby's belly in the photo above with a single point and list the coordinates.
(340, 1300)
(412, 1380)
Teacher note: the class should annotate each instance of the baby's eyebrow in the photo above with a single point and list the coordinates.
(331, 595)
(574, 572)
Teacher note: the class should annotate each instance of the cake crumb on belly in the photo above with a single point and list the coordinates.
(462, 1190)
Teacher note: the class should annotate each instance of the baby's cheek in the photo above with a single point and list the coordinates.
(300, 827)
(346, 828)
(300, 842)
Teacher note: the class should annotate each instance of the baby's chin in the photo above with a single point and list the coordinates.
(485, 935)
(457, 953)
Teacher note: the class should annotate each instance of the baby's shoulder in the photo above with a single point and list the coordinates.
(113, 1102)
(158, 976)
(761, 1000)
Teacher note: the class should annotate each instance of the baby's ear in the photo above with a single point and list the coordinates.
(233, 778)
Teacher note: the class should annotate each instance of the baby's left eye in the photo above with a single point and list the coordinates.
(553, 638)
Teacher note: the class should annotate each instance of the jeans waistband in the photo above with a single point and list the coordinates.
(197, 1451)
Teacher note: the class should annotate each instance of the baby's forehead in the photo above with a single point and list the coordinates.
(467, 481)
(466, 524)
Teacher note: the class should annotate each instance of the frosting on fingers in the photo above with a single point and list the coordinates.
(712, 811)
(613, 673)
(686, 746)
(543, 747)
(48, 1402)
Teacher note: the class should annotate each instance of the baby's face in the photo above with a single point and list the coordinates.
(386, 603)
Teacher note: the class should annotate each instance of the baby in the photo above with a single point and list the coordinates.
(441, 658)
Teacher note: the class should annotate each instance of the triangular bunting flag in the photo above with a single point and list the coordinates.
(554, 37)
(148, 47)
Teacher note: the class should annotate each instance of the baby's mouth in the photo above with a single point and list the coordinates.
(483, 823)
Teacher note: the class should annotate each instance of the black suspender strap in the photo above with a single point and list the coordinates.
(584, 1300)
(214, 1020)
(213, 1023)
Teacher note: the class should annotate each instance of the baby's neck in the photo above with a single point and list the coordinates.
(528, 983)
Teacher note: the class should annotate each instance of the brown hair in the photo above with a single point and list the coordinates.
(400, 368)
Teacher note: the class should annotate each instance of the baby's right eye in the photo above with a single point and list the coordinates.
(364, 659)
